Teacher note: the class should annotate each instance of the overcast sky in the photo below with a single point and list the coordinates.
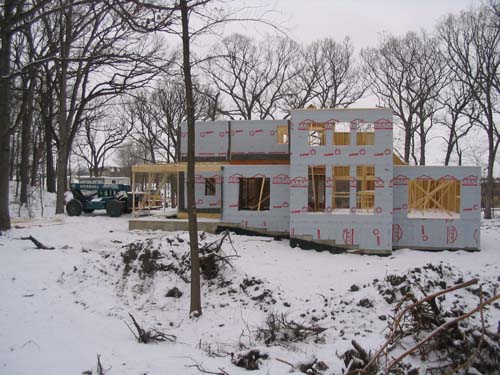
(362, 20)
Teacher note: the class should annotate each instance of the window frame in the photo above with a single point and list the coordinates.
(365, 188)
(316, 131)
(442, 197)
(316, 188)
(247, 203)
(282, 136)
(344, 194)
(210, 186)
(339, 137)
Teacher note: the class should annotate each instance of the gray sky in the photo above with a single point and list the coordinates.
(362, 20)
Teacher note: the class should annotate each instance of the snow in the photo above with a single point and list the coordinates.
(62, 307)
(432, 214)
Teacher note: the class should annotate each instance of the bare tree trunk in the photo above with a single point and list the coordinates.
(12, 157)
(35, 164)
(195, 306)
(63, 152)
(450, 145)
(407, 149)
(5, 97)
(49, 158)
(490, 182)
(422, 143)
(26, 138)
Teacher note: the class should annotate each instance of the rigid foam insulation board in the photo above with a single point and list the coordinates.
(277, 217)
(211, 140)
(438, 230)
(351, 228)
(257, 139)
(205, 203)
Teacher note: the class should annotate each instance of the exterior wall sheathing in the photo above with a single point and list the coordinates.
(372, 232)
(211, 140)
(448, 231)
(205, 203)
(225, 140)
(386, 227)
(276, 219)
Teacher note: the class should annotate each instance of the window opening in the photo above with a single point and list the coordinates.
(254, 194)
(365, 188)
(316, 188)
(365, 135)
(210, 186)
(342, 134)
(316, 134)
(434, 198)
(341, 187)
(282, 134)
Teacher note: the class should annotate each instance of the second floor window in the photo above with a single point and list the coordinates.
(282, 134)
(316, 134)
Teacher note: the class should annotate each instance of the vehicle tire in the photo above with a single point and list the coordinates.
(74, 207)
(114, 208)
(88, 210)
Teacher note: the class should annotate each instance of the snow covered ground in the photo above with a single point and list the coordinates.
(60, 308)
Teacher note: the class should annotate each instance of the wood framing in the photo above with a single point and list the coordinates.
(341, 187)
(282, 134)
(254, 193)
(317, 134)
(365, 187)
(316, 188)
(441, 195)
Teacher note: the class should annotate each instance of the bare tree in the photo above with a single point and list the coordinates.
(46, 103)
(406, 74)
(195, 300)
(101, 132)
(473, 43)
(131, 153)
(456, 102)
(188, 19)
(297, 93)
(144, 117)
(100, 58)
(11, 17)
(338, 80)
(252, 75)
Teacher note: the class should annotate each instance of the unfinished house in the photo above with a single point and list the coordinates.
(328, 178)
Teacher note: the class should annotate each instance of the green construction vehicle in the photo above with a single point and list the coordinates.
(105, 193)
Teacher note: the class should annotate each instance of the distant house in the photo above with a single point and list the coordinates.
(329, 177)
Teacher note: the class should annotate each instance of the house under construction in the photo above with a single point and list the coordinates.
(328, 177)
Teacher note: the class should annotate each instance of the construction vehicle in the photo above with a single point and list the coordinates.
(105, 193)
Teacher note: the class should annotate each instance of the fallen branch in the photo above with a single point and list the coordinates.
(356, 360)
(278, 329)
(469, 361)
(147, 336)
(37, 243)
(398, 318)
(200, 368)
(99, 369)
(442, 328)
(286, 363)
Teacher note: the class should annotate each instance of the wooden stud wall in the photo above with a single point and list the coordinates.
(439, 195)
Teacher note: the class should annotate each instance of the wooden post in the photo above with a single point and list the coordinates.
(314, 188)
(261, 192)
(133, 193)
